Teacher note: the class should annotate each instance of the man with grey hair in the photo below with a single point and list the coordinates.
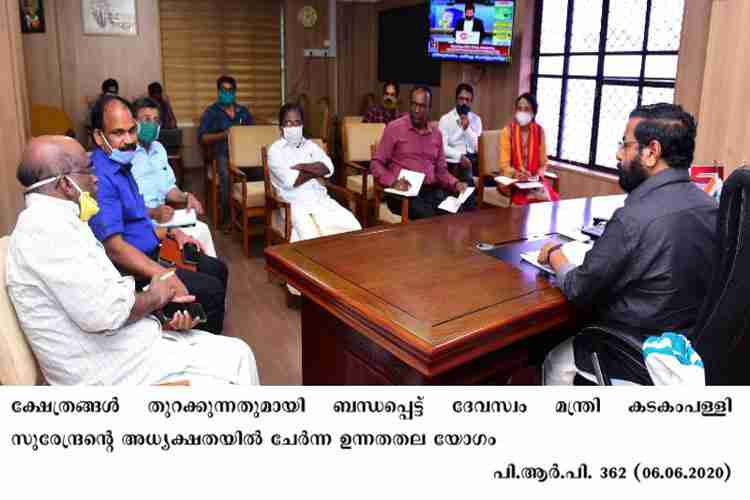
(85, 322)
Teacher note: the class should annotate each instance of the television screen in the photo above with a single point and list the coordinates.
(481, 33)
(401, 46)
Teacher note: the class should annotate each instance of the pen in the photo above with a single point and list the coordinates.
(163, 277)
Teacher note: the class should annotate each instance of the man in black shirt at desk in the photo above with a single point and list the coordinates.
(650, 270)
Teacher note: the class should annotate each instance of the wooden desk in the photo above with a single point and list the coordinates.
(419, 304)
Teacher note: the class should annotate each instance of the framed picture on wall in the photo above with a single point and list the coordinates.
(32, 16)
(109, 17)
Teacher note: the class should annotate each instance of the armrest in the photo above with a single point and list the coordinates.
(342, 191)
(356, 166)
(551, 175)
(236, 172)
(627, 345)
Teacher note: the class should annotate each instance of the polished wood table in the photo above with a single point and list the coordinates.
(419, 304)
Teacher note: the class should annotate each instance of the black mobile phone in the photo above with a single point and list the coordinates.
(195, 309)
(190, 253)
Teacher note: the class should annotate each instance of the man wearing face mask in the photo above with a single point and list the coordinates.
(123, 225)
(412, 143)
(214, 131)
(85, 322)
(650, 270)
(388, 110)
(461, 129)
(155, 177)
(295, 165)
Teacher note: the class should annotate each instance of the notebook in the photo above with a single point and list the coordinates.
(452, 204)
(532, 183)
(575, 252)
(414, 178)
(181, 218)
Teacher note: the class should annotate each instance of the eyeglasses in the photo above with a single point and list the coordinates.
(624, 144)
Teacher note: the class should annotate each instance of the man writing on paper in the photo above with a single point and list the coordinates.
(123, 224)
(155, 177)
(84, 321)
(461, 129)
(650, 270)
(412, 143)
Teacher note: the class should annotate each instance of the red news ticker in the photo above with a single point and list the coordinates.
(480, 50)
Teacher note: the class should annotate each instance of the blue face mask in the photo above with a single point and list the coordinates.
(121, 157)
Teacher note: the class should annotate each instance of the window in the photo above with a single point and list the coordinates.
(596, 60)
(204, 39)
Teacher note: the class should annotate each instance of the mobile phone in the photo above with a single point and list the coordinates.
(190, 253)
(195, 309)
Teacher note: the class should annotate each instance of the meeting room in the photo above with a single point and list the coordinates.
(373, 192)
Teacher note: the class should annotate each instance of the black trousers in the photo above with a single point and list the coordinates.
(209, 285)
(422, 206)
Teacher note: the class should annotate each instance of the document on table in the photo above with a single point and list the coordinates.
(452, 204)
(532, 183)
(575, 252)
(414, 178)
(181, 218)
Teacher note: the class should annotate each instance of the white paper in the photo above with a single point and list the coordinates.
(181, 218)
(574, 251)
(531, 183)
(414, 178)
(452, 204)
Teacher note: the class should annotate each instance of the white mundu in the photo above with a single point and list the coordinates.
(314, 213)
(73, 306)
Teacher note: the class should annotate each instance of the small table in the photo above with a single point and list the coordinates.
(419, 304)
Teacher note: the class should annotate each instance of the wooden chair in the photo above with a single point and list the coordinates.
(171, 139)
(49, 120)
(247, 198)
(279, 212)
(382, 213)
(211, 183)
(318, 120)
(351, 119)
(356, 140)
(489, 168)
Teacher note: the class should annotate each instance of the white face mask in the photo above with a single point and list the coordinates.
(523, 118)
(293, 135)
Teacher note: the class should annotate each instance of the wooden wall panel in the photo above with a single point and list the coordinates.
(723, 130)
(357, 61)
(692, 60)
(42, 60)
(14, 123)
(312, 76)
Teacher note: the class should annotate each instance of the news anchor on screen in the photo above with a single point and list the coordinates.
(470, 23)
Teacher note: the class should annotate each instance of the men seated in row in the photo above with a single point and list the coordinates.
(296, 164)
(461, 129)
(412, 143)
(155, 177)
(388, 110)
(168, 119)
(123, 225)
(650, 270)
(85, 322)
(523, 153)
(214, 131)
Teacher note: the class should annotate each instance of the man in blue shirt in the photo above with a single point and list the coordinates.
(214, 130)
(155, 177)
(123, 225)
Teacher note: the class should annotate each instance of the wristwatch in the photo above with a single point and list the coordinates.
(187, 196)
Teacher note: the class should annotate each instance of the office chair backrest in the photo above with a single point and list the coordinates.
(358, 137)
(722, 331)
(245, 143)
(171, 138)
(17, 363)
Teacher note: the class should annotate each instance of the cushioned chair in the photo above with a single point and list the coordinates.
(279, 212)
(247, 197)
(489, 168)
(356, 142)
(18, 365)
(318, 120)
(383, 214)
(351, 119)
(721, 333)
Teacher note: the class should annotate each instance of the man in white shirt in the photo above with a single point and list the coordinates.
(461, 129)
(296, 165)
(155, 177)
(84, 321)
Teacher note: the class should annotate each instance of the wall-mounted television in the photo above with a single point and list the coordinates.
(478, 31)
